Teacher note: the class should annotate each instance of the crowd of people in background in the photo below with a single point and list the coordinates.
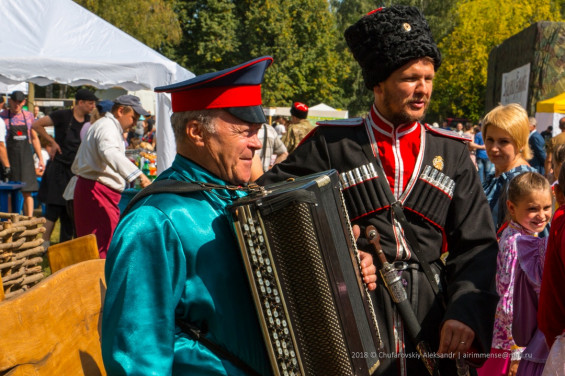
(39, 149)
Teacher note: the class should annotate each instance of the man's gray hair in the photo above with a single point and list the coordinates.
(204, 117)
(533, 121)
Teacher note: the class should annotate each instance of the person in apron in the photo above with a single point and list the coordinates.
(19, 136)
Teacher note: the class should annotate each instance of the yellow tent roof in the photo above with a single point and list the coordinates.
(555, 104)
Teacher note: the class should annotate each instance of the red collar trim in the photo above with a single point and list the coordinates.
(385, 127)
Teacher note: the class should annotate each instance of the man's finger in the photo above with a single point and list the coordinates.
(455, 337)
(356, 231)
(445, 340)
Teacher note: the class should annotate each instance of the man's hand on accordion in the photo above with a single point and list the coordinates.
(368, 269)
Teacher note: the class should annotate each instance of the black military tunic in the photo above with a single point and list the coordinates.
(447, 209)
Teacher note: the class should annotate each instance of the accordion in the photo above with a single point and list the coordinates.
(298, 248)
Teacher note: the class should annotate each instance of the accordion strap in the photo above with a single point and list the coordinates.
(398, 211)
(198, 335)
(174, 186)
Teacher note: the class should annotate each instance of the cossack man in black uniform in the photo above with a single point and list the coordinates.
(403, 176)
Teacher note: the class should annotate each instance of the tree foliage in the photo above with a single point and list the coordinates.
(299, 34)
(312, 62)
(152, 22)
(210, 39)
(357, 97)
(461, 81)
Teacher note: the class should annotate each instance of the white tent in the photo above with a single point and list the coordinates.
(322, 110)
(58, 41)
(6, 88)
(549, 112)
(318, 112)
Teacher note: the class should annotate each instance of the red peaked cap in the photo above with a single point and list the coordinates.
(236, 89)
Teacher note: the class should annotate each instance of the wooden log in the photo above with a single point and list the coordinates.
(12, 230)
(38, 250)
(33, 231)
(33, 261)
(11, 264)
(54, 327)
(12, 244)
(7, 239)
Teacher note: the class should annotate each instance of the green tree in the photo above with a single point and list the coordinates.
(152, 22)
(299, 34)
(269, 31)
(358, 97)
(461, 81)
(210, 39)
(304, 52)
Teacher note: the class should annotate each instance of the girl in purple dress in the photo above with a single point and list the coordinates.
(531, 257)
(529, 207)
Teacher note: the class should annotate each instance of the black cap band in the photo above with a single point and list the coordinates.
(250, 114)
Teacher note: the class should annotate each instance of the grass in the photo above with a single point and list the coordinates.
(56, 232)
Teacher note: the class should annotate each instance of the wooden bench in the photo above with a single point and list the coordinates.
(72, 251)
(54, 328)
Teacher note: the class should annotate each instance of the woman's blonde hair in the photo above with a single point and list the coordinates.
(513, 119)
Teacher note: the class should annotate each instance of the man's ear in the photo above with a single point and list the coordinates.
(377, 89)
(119, 112)
(194, 132)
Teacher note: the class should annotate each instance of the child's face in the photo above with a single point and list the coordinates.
(533, 211)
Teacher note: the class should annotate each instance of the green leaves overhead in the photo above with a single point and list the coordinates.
(152, 22)
(312, 63)
(461, 81)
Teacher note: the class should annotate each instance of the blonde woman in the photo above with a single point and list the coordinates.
(506, 129)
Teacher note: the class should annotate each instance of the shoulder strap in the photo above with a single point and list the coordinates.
(446, 133)
(399, 213)
(167, 186)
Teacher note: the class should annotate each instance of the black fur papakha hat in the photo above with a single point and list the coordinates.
(387, 38)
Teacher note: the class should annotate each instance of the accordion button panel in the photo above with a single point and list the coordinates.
(299, 254)
(259, 263)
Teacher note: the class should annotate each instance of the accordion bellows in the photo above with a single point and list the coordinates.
(303, 267)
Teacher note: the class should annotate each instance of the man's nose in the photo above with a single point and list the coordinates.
(255, 143)
(423, 86)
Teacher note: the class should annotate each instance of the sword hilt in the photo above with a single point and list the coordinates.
(374, 238)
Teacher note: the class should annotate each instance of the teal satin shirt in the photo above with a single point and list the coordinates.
(177, 256)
